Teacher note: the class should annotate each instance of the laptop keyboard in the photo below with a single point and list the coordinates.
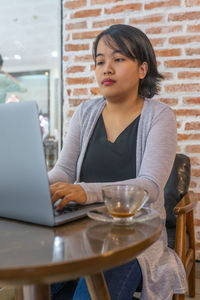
(69, 208)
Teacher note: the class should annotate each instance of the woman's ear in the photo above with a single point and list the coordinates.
(143, 68)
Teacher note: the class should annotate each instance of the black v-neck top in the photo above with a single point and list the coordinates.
(105, 161)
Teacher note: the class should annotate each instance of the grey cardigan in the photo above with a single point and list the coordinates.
(163, 272)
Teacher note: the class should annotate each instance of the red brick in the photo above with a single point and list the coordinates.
(163, 29)
(193, 148)
(193, 15)
(80, 92)
(178, 124)
(188, 75)
(193, 28)
(191, 3)
(169, 101)
(69, 92)
(85, 35)
(157, 42)
(197, 223)
(75, 4)
(188, 112)
(195, 160)
(158, 63)
(190, 87)
(70, 113)
(183, 137)
(106, 23)
(65, 58)
(86, 13)
(95, 91)
(164, 3)
(168, 52)
(123, 8)
(184, 39)
(75, 102)
(193, 184)
(191, 100)
(168, 75)
(75, 69)
(77, 25)
(192, 51)
(76, 47)
(147, 19)
(192, 126)
(92, 67)
(183, 63)
(196, 173)
(83, 58)
(79, 80)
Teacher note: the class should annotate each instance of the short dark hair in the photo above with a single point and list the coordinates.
(134, 44)
(1, 60)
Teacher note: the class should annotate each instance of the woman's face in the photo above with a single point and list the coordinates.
(117, 75)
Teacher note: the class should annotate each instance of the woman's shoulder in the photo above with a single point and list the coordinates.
(91, 106)
(93, 103)
(156, 106)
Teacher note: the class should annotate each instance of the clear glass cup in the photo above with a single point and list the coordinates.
(123, 201)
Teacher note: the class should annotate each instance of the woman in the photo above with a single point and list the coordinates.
(123, 137)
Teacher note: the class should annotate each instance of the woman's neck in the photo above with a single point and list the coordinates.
(121, 107)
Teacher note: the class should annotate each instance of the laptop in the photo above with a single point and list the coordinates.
(24, 186)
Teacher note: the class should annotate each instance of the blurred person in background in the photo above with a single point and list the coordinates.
(8, 83)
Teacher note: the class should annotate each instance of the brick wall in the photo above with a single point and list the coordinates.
(173, 27)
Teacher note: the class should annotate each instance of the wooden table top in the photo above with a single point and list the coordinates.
(33, 254)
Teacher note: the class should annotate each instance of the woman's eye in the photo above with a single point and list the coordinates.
(98, 63)
(119, 59)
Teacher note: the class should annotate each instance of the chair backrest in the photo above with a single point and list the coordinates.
(176, 187)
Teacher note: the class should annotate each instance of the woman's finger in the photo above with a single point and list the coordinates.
(64, 202)
(57, 195)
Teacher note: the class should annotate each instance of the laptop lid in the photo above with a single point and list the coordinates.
(24, 186)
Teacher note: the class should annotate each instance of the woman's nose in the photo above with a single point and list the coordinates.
(108, 69)
(108, 72)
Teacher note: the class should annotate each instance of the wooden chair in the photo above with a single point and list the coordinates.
(7, 293)
(179, 204)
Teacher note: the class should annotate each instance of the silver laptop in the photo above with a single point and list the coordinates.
(24, 186)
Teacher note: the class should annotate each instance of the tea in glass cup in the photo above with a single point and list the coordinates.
(123, 201)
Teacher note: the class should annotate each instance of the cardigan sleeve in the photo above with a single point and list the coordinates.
(157, 158)
(65, 168)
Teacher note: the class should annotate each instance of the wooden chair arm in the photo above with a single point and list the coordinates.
(186, 204)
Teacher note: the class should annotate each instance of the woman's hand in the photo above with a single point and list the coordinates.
(67, 192)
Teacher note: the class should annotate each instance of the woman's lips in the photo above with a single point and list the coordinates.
(108, 82)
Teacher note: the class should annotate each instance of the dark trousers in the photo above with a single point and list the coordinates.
(122, 282)
(63, 290)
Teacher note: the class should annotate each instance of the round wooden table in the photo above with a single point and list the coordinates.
(34, 256)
